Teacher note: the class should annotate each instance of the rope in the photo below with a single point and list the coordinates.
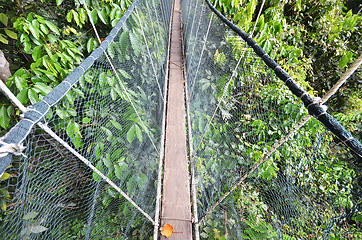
(343, 79)
(162, 148)
(13, 148)
(148, 51)
(227, 85)
(316, 100)
(119, 80)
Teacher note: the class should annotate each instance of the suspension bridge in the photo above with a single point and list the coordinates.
(179, 118)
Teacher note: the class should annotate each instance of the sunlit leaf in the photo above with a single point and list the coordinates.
(166, 230)
(4, 117)
(11, 34)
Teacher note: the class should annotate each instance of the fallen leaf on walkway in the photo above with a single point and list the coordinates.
(167, 230)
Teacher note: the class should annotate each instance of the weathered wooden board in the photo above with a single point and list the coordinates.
(176, 206)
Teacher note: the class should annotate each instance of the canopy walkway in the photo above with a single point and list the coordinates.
(179, 118)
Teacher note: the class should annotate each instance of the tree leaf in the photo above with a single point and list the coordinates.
(166, 230)
(124, 74)
(34, 31)
(118, 171)
(20, 82)
(38, 229)
(116, 125)
(99, 166)
(94, 16)
(4, 18)
(33, 96)
(36, 53)
(11, 34)
(59, 2)
(3, 40)
(139, 133)
(343, 61)
(52, 27)
(4, 117)
(102, 16)
(23, 96)
(30, 215)
(131, 134)
(90, 45)
(5, 176)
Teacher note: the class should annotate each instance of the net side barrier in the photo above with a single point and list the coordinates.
(262, 166)
(89, 167)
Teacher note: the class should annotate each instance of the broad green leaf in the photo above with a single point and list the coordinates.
(94, 16)
(343, 61)
(98, 151)
(36, 52)
(135, 42)
(30, 215)
(102, 16)
(99, 166)
(131, 134)
(33, 96)
(111, 80)
(116, 125)
(4, 117)
(59, 2)
(69, 16)
(4, 19)
(107, 161)
(45, 89)
(34, 31)
(10, 110)
(5, 176)
(37, 229)
(118, 171)
(124, 73)
(90, 45)
(102, 79)
(20, 82)
(27, 46)
(11, 34)
(23, 96)
(44, 28)
(131, 184)
(139, 133)
(267, 46)
(3, 40)
(52, 27)
(142, 181)
(113, 95)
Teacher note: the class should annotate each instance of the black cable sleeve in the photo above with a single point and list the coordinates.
(312, 106)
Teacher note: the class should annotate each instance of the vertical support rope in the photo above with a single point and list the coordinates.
(149, 53)
(301, 123)
(227, 84)
(66, 145)
(192, 167)
(119, 80)
(202, 52)
(162, 149)
(195, 42)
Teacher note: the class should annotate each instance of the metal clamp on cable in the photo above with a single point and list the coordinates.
(14, 148)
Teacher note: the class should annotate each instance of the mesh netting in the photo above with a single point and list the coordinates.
(247, 187)
(111, 118)
(263, 168)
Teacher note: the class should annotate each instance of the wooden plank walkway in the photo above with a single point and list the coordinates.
(176, 206)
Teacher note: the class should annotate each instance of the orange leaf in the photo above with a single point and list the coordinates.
(167, 230)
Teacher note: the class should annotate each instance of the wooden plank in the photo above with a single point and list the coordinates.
(176, 206)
